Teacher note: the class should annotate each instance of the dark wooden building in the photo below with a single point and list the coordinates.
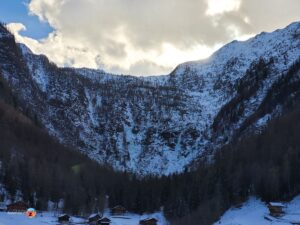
(63, 218)
(150, 221)
(276, 209)
(17, 207)
(118, 210)
(3, 207)
(104, 221)
(93, 219)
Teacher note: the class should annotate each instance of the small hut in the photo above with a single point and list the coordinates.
(118, 210)
(104, 221)
(276, 209)
(93, 219)
(3, 207)
(64, 218)
(19, 206)
(149, 221)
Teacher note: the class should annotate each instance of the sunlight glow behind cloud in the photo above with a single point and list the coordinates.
(148, 37)
(216, 7)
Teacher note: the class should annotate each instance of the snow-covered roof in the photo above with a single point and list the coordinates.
(93, 215)
(277, 204)
(149, 217)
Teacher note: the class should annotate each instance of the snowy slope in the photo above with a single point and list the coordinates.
(134, 219)
(220, 73)
(153, 124)
(256, 212)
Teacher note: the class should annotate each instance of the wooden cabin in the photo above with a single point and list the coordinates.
(118, 210)
(150, 221)
(64, 218)
(3, 207)
(17, 207)
(93, 219)
(104, 221)
(276, 209)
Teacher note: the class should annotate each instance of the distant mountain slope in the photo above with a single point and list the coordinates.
(158, 124)
(36, 168)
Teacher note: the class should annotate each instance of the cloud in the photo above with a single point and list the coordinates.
(216, 7)
(268, 15)
(147, 37)
(16, 27)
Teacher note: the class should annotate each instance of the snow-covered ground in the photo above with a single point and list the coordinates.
(134, 219)
(255, 212)
(252, 212)
(21, 219)
(51, 219)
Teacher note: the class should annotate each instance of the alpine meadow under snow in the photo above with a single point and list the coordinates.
(50, 218)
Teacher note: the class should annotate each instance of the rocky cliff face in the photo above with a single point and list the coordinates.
(157, 125)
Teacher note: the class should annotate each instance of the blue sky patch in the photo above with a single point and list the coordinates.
(15, 11)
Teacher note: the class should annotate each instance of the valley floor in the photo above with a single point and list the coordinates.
(48, 218)
(255, 212)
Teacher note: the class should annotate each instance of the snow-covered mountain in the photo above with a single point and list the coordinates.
(155, 124)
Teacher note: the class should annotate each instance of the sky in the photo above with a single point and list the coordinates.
(16, 11)
(139, 37)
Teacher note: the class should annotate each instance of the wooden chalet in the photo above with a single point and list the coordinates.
(3, 207)
(104, 221)
(19, 206)
(276, 209)
(118, 210)
(149, 221)
(64, 218)
(93, 219)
